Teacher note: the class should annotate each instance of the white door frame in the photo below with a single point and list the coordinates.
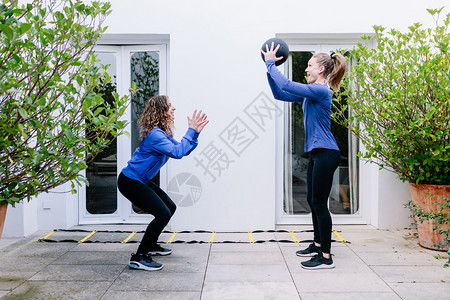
(362, 215)
(124, 142)
(124, 212)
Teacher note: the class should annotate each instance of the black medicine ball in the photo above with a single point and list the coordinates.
(282, 51)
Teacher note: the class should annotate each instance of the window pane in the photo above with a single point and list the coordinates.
(343, 196)
(297, 159)
(101, 194)
(145, 73)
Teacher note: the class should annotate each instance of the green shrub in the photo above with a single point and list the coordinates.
(53, 119)
(399, 94)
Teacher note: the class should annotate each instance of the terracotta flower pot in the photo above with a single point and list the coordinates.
(427, 201)
(3, 208)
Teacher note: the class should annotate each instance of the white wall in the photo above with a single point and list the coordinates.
(58, 209)
(22, 220)
(215, 65)
(54, 210)
(385, 196)
(392, 196)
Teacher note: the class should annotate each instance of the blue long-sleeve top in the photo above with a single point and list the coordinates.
(316, 99)
(155, 150)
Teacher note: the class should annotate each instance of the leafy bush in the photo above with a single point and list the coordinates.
(53, 120)
(399, 94)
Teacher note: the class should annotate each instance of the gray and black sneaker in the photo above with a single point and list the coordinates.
(310, 251)
(143, 262)
(158, 250)
(318, 262)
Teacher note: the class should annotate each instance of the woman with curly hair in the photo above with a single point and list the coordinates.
(325, 73)
(157, 146)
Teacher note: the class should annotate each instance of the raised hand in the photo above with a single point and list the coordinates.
(198, 121)
(271, 53)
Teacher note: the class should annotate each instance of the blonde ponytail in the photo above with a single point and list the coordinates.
(335, 66)
(340, 65)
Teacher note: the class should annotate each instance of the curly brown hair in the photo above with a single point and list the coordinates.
(156, 115)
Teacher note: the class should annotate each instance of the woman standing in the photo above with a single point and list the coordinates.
(324, 74)
(157, 146)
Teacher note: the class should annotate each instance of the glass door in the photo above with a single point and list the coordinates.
(343, 201)
(146, 66)
(100, 202)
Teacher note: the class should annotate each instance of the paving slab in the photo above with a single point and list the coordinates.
(339, 282)
(159, 281)
(249, 290)
(28, 264)
(413, 274)
(93, 258)
(44, 290)
(374, 264)
(421, 291)
(351, 296)
(188, 251)
(246, 258)
(185, 258)
(176, 265)
(382, 245)
(11, 280)
(245, 247)
(250, 273)
(106, 247)
(35, 249)
(145, 295)
(79, 273)
(8, 241)
(399, 258)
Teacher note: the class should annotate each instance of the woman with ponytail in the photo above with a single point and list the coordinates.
(324, 75)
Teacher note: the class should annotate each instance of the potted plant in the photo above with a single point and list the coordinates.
(3, 207)
(399, 95)
(432, 216)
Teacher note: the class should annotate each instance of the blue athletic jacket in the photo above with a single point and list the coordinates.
(154, 152)
(316, 99)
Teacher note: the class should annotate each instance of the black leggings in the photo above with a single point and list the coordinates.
(321, 166)
(151, 199)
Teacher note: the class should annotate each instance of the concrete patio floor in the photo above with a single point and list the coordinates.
(375, 264)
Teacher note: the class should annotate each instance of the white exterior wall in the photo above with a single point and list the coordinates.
(215, 65)
(21, 220)
(55, 210)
